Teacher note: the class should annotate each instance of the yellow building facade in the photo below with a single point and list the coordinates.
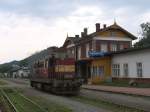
(100, 70)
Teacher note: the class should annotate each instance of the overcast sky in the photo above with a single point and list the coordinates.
(27, 26)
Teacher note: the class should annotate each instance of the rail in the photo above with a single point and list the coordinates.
(34, 103)
(14, 109)
(9, 101)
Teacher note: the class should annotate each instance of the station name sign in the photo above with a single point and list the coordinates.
(97, 53)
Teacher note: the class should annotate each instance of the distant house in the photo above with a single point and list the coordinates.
(22, 72)
(3, 75)
(70, 46)
(13, 71)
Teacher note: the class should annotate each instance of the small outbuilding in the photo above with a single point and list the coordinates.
(131, 64)
(22, 72)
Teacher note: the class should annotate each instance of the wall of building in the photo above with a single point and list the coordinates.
(96, 42)
(96, 46)
(23, 73)
(119, 45)
(113, 32)
(114, 38)
(132, 58)
(71, 52)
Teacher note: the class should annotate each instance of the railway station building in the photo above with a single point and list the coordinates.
(93, 51)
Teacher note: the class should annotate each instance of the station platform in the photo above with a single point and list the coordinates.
(121, 90)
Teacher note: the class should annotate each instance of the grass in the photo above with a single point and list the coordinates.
(125, 84)
(2, 82)
(20, 103)
(105, 105)
(25, 106)
(4, 104)
(50, 106)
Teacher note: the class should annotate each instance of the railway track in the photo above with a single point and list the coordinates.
(34, 103)
(14, 109)
(15, 105)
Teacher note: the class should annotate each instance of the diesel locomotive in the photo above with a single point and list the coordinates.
(56, 74)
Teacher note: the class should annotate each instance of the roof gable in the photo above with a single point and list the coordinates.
(70, 40)
(114, 27)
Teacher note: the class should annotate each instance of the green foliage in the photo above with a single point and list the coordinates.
(21, 103)
(38, 104)
(5, 68)
(145, 41)
(24, 62)
(2, 82)
(4, 105)
(49, 105)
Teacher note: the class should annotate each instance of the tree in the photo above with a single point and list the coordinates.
(145, 41)
(23, 62)
(5, 68)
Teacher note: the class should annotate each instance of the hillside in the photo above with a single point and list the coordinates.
(6, 67)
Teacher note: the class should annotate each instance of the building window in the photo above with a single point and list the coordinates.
(45, 64)
(101, 71)
(113, 47)
(79, 52)
(93, 71)
(97, 71)
(113, 34)
(139, 69)
(94, 45)
(72, 51)
(104, 47)
(121, 46)
(116, 70)
(69, 52)
(87, 50)
(125, 70)
(126, 46)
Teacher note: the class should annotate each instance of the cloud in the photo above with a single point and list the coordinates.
(27, 26)
(38, 8)
(87, 11)
(21, 36)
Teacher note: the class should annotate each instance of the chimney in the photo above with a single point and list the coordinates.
(85, 31)
(82, 34)
(104, 26)
(97, 27)
(77, 36)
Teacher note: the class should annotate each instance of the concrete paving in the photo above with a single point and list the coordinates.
(141, 103)
(124, 90)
